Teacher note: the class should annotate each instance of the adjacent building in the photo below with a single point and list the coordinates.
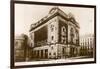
(87, 45)
(55, 35)
(22, 50)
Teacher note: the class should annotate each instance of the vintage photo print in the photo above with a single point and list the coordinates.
(52, 33)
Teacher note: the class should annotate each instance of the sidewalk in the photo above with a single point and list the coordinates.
(79, 57)
(67, 60)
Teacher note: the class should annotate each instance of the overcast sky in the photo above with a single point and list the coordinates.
(26, 14)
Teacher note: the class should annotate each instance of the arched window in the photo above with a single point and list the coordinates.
(52, 27)
(72, 34)
(63, 34)
(63, 31)
(52, 37)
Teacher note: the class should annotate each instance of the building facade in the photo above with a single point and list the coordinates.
(87, 45)
(55, 36)
(22, 51)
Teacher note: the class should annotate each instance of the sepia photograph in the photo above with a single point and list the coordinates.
(52, 33)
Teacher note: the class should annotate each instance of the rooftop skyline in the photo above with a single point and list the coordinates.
(25, 15)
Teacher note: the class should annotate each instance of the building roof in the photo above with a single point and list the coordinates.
(20, 37)
(55, 11)
(87, 35)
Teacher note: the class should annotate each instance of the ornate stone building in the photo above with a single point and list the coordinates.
(55, 36)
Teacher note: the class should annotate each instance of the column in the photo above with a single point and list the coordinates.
(40, 54)
(44, 53)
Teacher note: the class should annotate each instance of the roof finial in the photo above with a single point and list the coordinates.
(53, 9)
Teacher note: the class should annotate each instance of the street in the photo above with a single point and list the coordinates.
(67, 60)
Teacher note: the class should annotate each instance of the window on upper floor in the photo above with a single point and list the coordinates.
(52, 28)
(63, 34)
(52, 48)
(52, 37)
(63, 31)
(49, 53)
(72, 34)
